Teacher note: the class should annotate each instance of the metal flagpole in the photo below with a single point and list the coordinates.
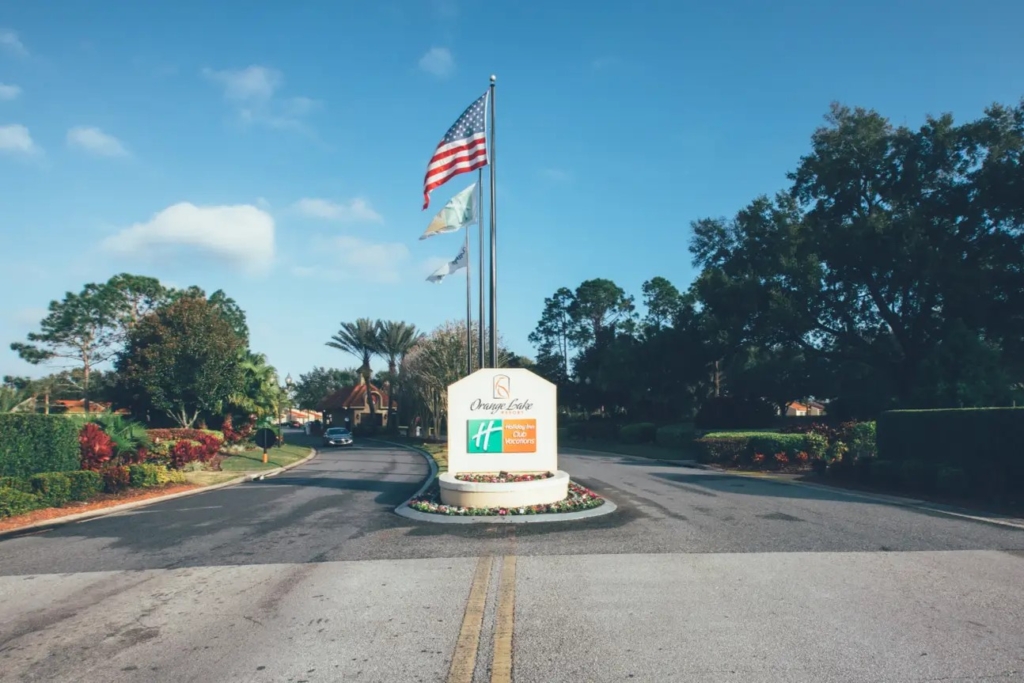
(494, 239)
(481, 357)
(469, 311)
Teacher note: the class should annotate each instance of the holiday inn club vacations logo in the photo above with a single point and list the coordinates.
(502, 436)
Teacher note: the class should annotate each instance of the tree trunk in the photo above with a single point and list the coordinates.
(718, 380)
(85, 385)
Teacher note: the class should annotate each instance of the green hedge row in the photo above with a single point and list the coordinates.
(730, 447)
(19, 495)
(30, 444)
(982, 444)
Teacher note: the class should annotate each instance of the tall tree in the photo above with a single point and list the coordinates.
(135, 296)
(82, 327)
(315, 385)
(181, 360)
(663, 303)
(258, 392)
(599, 306)
(553, 336)
(361, 339)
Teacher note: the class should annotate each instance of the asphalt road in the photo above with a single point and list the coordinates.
(699, 576)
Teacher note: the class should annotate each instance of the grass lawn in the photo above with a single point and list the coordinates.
(210, 478)
(252, 460)
(644, 450)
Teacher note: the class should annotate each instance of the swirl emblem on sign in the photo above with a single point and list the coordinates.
(502, 388)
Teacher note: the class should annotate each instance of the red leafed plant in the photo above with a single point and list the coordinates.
(758, 458)
(803, 457)
(115, 478)
(232, 435)
(781, 459)
(211, 444)
(183, 452)
(95, 447)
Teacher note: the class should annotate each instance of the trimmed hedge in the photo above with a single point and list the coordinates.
(984, 444)
(641, 432)
(15, 502)
(675, 436)
(30, 444)
(52, 488)
(742, 446)
(85, 484)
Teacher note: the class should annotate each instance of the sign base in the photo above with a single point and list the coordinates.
(475, 494)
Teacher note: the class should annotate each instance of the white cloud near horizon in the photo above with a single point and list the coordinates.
(16, 138)
(9, 92)
(356, 210)
(10, 42)
(95, 141)
(242, 234)
(253, 91)
(357, 259)
(438, 61)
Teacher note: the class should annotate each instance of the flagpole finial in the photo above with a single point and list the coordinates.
(493, 78)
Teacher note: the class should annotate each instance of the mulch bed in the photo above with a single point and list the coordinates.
(102, 501)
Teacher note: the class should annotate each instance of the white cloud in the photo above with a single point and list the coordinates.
(253, 90)
(242, 235)
(253, 83)
(95, 141)
(356, 210)
(16, 138)
(10, 41)
(438, 61)
(9, 92)
(360, 260)
(556, 175)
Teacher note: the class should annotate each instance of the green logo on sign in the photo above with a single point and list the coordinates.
(485, 436)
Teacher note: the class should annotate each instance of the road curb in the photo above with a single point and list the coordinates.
(103, 512)
(896, 501)
(404, 510)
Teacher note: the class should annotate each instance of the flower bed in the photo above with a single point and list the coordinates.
(502, 477)
(580, 498)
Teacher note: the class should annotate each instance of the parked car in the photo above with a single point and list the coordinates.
(337, 436)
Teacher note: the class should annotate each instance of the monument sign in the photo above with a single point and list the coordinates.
(502, 420)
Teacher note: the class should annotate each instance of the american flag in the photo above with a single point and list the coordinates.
(463, 149)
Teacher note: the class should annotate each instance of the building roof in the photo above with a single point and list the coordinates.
(352, 397)
(78, 406)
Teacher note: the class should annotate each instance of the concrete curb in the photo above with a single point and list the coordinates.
(404, 510)
(114, 509)
(896, 501)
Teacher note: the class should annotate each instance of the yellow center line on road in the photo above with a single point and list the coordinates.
(464, 659)
(501, 664)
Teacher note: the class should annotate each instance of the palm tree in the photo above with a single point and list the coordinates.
(394, 340)
(362, 340)
(260, 393)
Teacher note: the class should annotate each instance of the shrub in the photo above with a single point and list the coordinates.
(675, 436)
(167, 476)
(53, 489)
(184, 452)
(982, 442)
(144, 476)
(951, 481)
(815, 444)
(770, 442)
(563, 433)
(115, 478)
(16, 483)
(886, 473)
(95, 446)
(722, 449)
(85, 484)
(640, 432)
(14, 502)
(31, 443)
(731, 412)
(918, 475)
(178, 434)
(242, 433)
(863, 443)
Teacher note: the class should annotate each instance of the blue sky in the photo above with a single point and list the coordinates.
(276, 150)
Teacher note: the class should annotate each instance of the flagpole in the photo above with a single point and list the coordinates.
(481, 357)
(494, 238)
(469, 311)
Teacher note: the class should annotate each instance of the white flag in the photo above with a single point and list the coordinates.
(459, 212)
(458, 263)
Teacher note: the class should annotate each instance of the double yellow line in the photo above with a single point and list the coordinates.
(464, 659)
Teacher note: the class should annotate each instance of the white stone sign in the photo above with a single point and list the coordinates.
(502, 420)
